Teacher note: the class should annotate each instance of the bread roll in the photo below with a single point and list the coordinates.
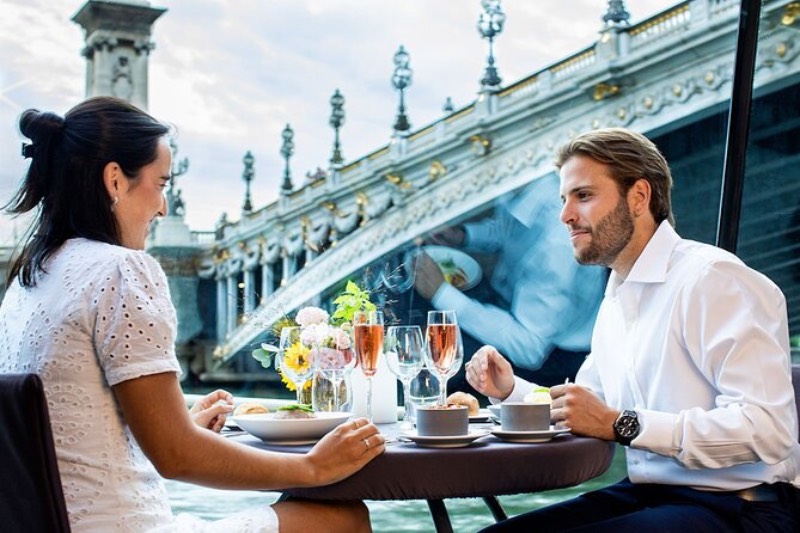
(250, 408)
(465, 398)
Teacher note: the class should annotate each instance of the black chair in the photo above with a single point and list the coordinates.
(796, 383)
(31, 498)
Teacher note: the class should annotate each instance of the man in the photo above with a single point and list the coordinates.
(689, 367)
(541, 305)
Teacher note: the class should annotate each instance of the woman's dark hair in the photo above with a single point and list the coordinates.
(64, 183)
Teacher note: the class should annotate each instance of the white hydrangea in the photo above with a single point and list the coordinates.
(308, 316)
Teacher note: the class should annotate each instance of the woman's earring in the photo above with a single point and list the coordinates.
(115, 202)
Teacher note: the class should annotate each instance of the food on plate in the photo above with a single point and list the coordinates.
(250, 408)
(466, 399)
(453, 274)
(295, 411)
(538, 395)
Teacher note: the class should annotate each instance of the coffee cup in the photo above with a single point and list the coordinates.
(442, 421)
(522, 416)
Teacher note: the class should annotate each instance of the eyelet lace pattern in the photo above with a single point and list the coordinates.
(100, 316)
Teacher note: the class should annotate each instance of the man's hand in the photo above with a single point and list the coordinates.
(582, 411)
(428, 277)
(490, 374)
(211, 410)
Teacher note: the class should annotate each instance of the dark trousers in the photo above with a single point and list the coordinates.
(649, 508)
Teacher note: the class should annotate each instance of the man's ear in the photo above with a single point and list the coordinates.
(639, 197)
(112, 179)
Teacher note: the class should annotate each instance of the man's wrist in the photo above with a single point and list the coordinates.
(626, 427)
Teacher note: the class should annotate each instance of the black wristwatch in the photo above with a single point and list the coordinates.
(626, 427)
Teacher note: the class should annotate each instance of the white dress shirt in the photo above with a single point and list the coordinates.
(697, 343)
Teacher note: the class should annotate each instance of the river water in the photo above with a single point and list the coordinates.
(466, 515)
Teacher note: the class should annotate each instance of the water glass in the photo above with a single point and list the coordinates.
(294, 358)
(423, 390)
(404, 349)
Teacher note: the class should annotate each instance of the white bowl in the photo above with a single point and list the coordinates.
(290, 431)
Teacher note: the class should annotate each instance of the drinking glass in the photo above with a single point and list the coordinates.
(445, 351)
(404, 349)
(368, 337)
(334, 364)
(424, 390)
(294, 358)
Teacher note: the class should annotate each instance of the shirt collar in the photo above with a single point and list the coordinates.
(651, 265)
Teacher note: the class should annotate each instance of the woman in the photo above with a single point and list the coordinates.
(89, 311)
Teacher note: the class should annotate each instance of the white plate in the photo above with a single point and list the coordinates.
(471, 268)
(482, 416)
(543, 435)
(290, 431)
(457, 441)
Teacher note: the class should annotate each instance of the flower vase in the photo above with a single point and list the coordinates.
(322, 396)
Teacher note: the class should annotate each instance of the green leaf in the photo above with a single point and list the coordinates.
(263, 357)
(297, 407)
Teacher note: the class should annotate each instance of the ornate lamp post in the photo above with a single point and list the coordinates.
(490, 25)
(287, 149)
(616, 15)
(179, 167)
(336, 121)
(247, 175)
(401, 79)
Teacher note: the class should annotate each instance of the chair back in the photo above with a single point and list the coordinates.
(31, 498)
(796, 383)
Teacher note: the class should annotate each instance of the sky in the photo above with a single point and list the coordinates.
(229, 75)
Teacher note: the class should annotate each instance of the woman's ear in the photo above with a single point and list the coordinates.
(112, 174)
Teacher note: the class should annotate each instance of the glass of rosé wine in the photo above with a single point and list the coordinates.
(445, 351)
(368, 339)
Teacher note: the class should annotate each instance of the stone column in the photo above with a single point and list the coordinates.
(222, 309)
(231, 294)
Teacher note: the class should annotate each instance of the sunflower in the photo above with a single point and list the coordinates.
(296, 358)
(290, 384)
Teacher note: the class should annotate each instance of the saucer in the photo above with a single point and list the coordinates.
(525, 437)
(454, 441)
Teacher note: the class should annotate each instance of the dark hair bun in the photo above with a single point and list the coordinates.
(40, 126)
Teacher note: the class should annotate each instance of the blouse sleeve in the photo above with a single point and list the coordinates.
(135, 320)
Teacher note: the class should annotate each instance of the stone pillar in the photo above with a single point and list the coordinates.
(249, 291)
(230, 293)
(117, 36)
(222, 309)
(267, 281)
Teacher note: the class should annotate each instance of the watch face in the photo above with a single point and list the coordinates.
(627, 425)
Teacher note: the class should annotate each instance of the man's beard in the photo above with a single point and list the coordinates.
(608, 238)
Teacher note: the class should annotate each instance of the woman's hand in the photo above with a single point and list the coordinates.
(344, 451)
(211, 410)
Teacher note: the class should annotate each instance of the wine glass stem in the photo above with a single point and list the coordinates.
(336, 384)
(369, 398)
(407, 405)
(442, 390)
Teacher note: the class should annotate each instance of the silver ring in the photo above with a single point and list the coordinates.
(366, 443)
(355, 424)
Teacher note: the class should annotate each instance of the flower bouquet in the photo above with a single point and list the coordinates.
(322, 343)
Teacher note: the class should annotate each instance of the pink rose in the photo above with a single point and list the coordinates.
(308, 316)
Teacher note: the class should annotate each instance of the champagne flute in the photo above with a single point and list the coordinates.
(403, 349)
(445, 351)
(294, 358)
(368, 337)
